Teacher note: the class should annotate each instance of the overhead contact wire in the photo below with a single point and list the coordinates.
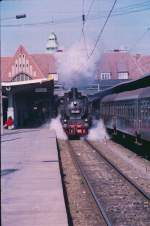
(101, 31)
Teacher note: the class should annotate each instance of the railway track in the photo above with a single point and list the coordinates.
(121, 202)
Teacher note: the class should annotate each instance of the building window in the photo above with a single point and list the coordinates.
(105, 75)
(123, 75)
(21, 77)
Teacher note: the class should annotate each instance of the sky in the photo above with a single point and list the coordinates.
(128, 26)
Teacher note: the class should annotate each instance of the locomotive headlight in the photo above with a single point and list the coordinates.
(75, 103)
(86, 120)
(65, 120)
(35, 107)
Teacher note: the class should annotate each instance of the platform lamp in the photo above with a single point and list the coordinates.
(19, 16)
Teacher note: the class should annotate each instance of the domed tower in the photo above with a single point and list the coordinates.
(52, 43)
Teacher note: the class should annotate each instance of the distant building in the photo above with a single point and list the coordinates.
(119, 64)
(24, 66)
(52, 43)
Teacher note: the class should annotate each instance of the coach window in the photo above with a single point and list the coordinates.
(123, 109)
(140, 111)
(127, 110)
(105, 109)
(118, 109)
(131, 111)
(143, 110)
(146, 110)
(149, 109)
(112, 109)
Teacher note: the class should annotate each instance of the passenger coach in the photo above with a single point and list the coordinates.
(128, 112)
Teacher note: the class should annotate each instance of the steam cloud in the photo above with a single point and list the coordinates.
(74, 68)
(55, 124)
(98, 132)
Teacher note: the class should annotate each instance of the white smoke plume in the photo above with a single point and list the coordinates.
(74, 67)
(56, 125)
(98, 132)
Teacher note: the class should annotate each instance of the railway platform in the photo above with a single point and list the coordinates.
(31, 184)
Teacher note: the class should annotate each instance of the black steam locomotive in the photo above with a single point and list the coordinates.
(75, 113)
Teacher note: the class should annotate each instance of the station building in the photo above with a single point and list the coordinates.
(27, 86)
(28, 79)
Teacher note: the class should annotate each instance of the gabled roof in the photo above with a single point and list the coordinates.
(123, 61)
(37, 66)
(46, 62)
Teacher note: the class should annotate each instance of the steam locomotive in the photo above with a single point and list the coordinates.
(75, 114)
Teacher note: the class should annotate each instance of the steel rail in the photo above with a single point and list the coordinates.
(81, 171)
(134, 184)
